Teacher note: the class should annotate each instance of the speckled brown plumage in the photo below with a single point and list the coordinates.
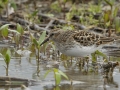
(87, 38)
(77, 42)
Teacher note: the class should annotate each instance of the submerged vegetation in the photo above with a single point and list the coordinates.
(25, 29)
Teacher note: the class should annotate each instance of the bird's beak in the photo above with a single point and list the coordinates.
(47, 39)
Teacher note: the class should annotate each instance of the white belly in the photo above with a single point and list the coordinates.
(78, 51)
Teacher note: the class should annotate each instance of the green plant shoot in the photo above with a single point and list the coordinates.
(20, 29)
(57, 75)
(6, 57)
(4, 30)
(37, 43)
(97, 53)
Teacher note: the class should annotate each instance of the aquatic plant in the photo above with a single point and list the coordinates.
(4, 30)
(36, 45)
(97, 53)
(110, 16)
(6, 56)
(18, 38)
(57, 75)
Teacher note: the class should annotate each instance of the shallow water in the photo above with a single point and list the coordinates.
(25, 68)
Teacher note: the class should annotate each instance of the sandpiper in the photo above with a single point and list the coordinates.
(77, 43)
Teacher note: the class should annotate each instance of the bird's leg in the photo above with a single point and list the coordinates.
(80, 63)
(54, 55)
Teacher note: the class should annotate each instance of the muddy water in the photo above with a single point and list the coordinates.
(25, 68)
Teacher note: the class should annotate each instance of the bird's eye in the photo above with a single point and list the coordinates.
(51, 34)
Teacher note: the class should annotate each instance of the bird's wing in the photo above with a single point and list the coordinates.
(86, 38)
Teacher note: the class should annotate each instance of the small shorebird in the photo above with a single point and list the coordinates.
(77, 43)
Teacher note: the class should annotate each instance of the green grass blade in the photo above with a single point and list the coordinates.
(55, 70)
(115, 11)
(34, 13)
(63, 74)
(101, 54)
(8, 52)
(7, 59)
(109, 2)
(94, 58)
(20, 29)
(57, 78)
(5, 32)
(31, 37)
(42, 37)
(4, 26)
(35, 42)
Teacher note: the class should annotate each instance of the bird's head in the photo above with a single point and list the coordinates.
(52, 36)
